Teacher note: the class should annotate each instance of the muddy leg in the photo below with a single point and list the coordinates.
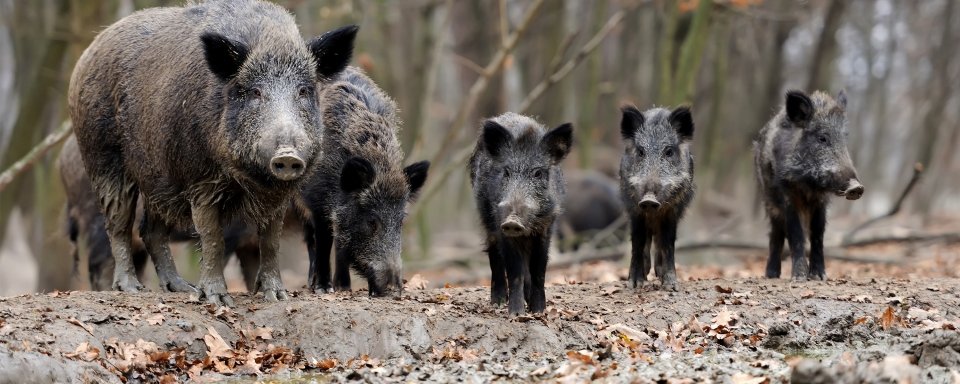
(341, 276)
(498, 279)
(777, 236)
(665, 256)
(118, 200)
(156, 239)
(268, 279)
(797, 240)
(212, 285)
(640, 251)
(514, 264)
(323, 236)
(249, 257)
(818, 224)
(538, 271)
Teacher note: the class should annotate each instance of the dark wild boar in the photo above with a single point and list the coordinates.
(656, 182)
(801, 158)
(211, 112)
(359, 194)
(592, 204)
(85, 224)
(518, 185)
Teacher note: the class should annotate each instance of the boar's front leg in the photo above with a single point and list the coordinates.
(268, 280)
(666, 264)
(538, 272)
(210, 227)
(498, 277)
(640, 251)
(818, 224)
(513, 261)
(156, 238)
(797, 240)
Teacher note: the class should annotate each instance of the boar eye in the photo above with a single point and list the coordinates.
(538, 173)
(506, 172)
(372, 225)
(668, 152)
(822, 138)
(639, 152)
(256, 93)
(304, 91)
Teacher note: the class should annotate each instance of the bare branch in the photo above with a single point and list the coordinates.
(917, 172)
(470, 64)
(564, 70)
(34, 155)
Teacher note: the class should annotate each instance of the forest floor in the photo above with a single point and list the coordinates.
(739, 330)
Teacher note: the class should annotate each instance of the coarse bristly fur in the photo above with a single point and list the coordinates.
(359, 195)
(211, 112)
(518, 186)
(656, 184)
(801, 158)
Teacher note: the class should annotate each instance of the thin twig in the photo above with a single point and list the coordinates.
(470, 64)
(34, 155)
(480, 85)
(917, 172)
(564, 70)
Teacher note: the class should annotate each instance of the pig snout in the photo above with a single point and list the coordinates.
(286, 164)
(854, 190)
(513, 227)
(515, 210)
(649, 202)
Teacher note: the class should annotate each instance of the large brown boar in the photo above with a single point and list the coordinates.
(209, 111)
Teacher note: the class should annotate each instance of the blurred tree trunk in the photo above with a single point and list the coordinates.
(938, 91)
(825, 53)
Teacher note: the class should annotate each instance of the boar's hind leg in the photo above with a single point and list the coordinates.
(818, 224)
(498, 270)
(156, 239)
(268, 280)
(321, 234)
(665, 256)
(795, 238)
(777, 236)
(206, 219)
(118, 201)
(538, 271)
(640, 252)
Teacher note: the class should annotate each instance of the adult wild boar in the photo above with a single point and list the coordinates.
(801, 158)
(359, 194)
(209, 111)
(518, 186)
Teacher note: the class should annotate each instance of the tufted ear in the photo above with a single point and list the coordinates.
(799, 107)
(333, 50)
(630, 122)
(842, 99)
(224, 56)
(558, 141)
(495, 138)
(416, 176)
(682, 121)
(357, 175)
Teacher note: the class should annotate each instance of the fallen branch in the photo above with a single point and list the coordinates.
(34, 155)
(917, 172)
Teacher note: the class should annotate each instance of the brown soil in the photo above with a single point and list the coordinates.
(731, 330)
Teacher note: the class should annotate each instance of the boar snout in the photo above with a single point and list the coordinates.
(513, 227)
(286, 165)
(854, 190)
(649, 202)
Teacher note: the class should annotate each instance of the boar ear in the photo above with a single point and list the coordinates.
(682, 120)
(842, 99)
(558, 141)
(224, 56)
(416, 175)
(357, 175)
(631, 121)
(495, 137)
(799, 107)
(333, 50)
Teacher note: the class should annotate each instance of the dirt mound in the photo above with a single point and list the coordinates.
(739, 330)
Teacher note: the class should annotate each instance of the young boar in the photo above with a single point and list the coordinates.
(518, 185)
(656, 182)
(211, 113)
(801, 158)
(359, 195)
(592, 204)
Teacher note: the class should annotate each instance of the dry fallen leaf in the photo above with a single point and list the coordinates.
(326, 364)
(807, 294)
(631, 333)
(541, 371)
(743, 378)
(724, 318)
(889, 319)
(84, 352)
(80, 324)
(216, 346)
(262, 333)
(416, 282)
(723, 289)
(155, 319)
(609, 290)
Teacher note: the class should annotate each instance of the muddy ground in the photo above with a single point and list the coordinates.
(728, 330)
